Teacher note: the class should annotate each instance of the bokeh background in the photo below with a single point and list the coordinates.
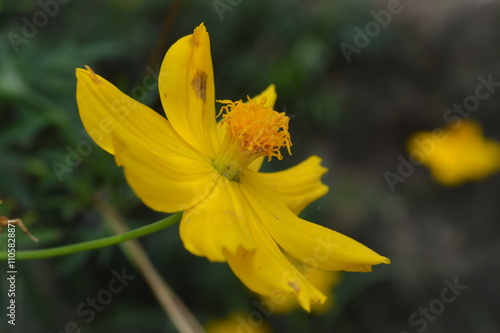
(356, 112)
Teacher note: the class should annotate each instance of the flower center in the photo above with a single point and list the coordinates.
(252, 130)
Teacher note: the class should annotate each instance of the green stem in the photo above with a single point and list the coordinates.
(95, 244)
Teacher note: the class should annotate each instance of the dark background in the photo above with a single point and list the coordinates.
(355, 113)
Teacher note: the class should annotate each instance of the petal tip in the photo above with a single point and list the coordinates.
(201, 27)
(272, 88)
(199, 33)
(89, 72)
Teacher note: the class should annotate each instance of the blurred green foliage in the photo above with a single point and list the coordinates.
(51, 172)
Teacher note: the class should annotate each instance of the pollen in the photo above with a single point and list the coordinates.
(260, 129)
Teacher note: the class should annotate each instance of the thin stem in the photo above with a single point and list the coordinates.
(182, 318)
(95, 244)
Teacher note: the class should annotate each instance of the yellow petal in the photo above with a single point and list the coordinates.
(216, 223)
(186, 84)
(269, 94)
(267, 271)
(105, 111)
(298, 186)
(160, 167)
(256, 164)
(167, 180)
(308, 242)
(325, 281)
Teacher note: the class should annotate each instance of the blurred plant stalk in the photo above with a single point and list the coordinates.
(180, 315)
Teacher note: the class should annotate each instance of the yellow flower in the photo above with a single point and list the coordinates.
(238, 322)
(459, 154)
(232, 213)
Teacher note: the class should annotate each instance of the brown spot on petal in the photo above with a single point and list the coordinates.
(295, 286)
(200, 84)
(197, 34)
(316, 300)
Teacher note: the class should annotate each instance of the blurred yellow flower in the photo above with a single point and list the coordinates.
(232, 212)
(460, 154)
(325, 281)
(238, 322)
